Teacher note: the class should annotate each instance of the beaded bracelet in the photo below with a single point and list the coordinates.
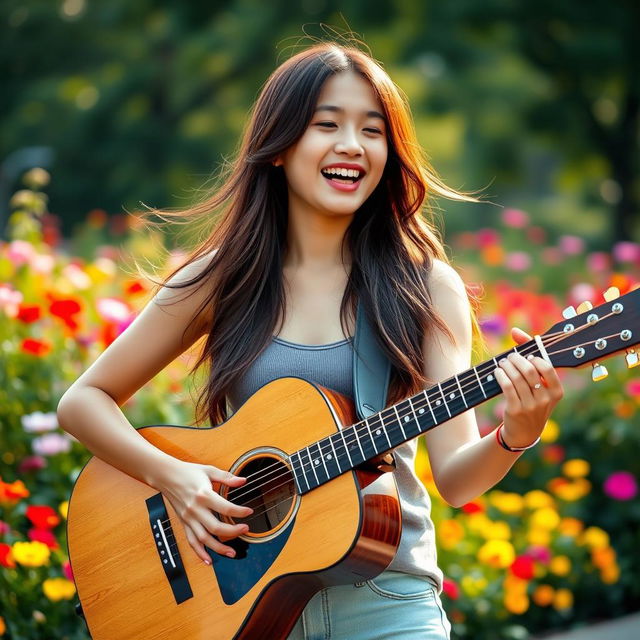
(504, 445)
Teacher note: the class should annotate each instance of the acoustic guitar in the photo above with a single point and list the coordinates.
(323, 513)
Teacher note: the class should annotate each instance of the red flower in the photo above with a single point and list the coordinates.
(522, 567)
(35, 347)
(42, 517)
(68, 572)
(28, 313)
(133, 287)
(6, 559)
(65, 310)
(553, 453)
(451, 589)
(45, 536)
(472, 507)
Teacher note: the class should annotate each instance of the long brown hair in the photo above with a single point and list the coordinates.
(391, 239)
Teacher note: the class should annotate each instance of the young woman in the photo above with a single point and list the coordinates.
(323, 207)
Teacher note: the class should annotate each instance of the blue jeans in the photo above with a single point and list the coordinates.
(392, 606)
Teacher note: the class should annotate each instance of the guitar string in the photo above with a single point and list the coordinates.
(287, 474)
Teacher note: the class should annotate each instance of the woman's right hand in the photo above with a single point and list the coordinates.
(189, 488)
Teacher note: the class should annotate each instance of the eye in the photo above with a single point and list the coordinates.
(326, 124)
(373, 130)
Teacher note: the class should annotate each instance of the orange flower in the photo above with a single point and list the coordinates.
(563, 599)
(450, 532)
(517, 603)
(603, 557)
(10, 493)
(543, 595)
(570, 527)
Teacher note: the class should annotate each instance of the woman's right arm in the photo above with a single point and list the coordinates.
(90, 411)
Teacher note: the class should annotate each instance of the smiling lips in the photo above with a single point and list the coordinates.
(343, 177)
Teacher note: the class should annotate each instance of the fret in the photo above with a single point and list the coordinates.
(446, 406)
(373, 442)
(312, 466)
(346, 448)
(299, 473)
(408, 420)
(424, 393)
(461, 392)
(399, 422)
(384, 429)
(415, 417)
(475, 370)
(354, 430)
(319, 459)
(335, 456)
(439, 408)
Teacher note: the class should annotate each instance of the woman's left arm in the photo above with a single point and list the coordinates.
(465, 465)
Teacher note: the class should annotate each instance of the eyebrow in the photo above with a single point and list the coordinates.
(330, 107)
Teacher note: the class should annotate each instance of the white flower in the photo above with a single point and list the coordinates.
(37, 422)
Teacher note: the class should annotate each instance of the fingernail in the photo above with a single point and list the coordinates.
(207, 562)
(230, 554)
(502, 361)
(530, 356)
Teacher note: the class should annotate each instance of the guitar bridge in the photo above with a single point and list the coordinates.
(167, 548)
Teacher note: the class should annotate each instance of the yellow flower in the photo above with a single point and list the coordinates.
(507, 502)
(543, 595)
(570, 490)
(545, 518)
(498, 530)
(497, 553)
(31, 554)
(562, 599)
(450, 532)
(594, 538)
(560, 565)
(576, 468)
(610, 574)
(539, 537)
(516, 603)
(570, 527)
(550, 432)
(63, 508)
(537, 499)
(478, 522)
(473, 586)
(58, 589)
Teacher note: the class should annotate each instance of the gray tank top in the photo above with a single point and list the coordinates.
(331, 365)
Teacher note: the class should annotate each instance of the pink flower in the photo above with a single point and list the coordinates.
(633, 388)
(582, 292)
(518, 261)
(551, 255)
(598, 261)
(571, 245)
(38, 422)
(32, 463)
(51, 444)
(20, 252)
(451, 588)
(621, 485)
(539, 553)
(487, 237)
(626, 251)
(113, 310)
(10, 300)
(66, 569)
(515, 218)
(537, 235)
(4, 527)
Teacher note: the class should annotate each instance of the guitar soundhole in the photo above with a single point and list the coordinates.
(269, 491)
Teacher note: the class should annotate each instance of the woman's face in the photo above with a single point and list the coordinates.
(337, 163)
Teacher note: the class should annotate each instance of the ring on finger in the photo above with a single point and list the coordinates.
(537, 385)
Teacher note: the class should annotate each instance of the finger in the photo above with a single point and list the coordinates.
(520, 384)
(206, 539)
(507, 387)
(224, 506)
(224, 477)
(196, 545)
(526, 368)
(549, 375)
(519, 336)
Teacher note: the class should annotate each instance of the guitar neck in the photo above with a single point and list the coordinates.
(332, 456)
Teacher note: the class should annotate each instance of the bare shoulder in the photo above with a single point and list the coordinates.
(170, 323)
(444, 278)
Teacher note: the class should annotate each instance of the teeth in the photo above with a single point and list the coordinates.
(344, 173)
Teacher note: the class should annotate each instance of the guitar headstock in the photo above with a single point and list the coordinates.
(594, 333)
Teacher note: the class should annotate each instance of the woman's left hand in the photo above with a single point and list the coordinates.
(531, 389)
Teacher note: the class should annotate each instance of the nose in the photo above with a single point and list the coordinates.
(348, 142)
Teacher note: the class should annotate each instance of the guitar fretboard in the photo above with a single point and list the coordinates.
(332, 456)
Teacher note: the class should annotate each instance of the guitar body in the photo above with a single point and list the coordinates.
(341, 532)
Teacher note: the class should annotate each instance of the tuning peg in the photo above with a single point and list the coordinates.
(569, 313)
(584, 306)
(611, 294)
(632, 358)
(599, 372)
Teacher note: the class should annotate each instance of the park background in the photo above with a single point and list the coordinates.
(108, 106)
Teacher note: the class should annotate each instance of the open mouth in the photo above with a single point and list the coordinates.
(342, 176)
